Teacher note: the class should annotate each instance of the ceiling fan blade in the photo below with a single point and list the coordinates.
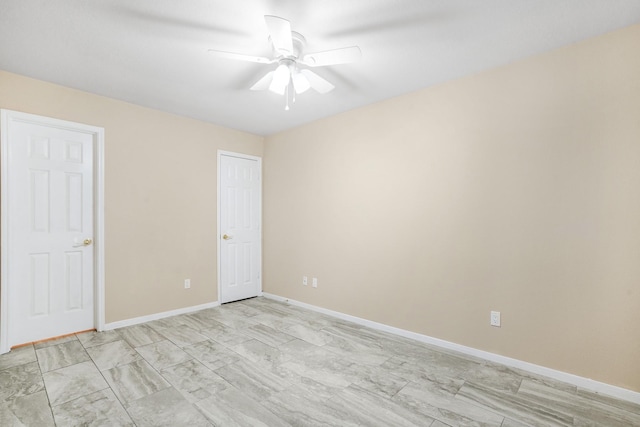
(240, 56)
(280, 32)
(343, 55)
(317, 82)
(264, 82)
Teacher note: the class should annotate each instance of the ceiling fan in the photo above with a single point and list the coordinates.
(288, 52)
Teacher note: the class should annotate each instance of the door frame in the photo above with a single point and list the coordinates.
(222, 153)
(6, 118)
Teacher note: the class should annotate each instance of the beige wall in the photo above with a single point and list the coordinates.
(516, 190)
(160, 194)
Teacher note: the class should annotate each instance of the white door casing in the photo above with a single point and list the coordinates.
(239, 226)
(52, 228)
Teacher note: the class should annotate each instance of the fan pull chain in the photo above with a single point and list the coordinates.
(286, 97)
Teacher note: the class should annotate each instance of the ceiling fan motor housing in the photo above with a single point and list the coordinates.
(299, 43)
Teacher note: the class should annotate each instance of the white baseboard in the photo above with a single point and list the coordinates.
(156, 316)
(585, 383)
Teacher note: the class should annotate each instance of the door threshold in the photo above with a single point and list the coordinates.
(50, 339)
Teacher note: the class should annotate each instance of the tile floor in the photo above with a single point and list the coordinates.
(264, 363)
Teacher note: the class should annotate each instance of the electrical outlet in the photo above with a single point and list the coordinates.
(314, 282)
(495, 318)
(187, 283)
(304, 280)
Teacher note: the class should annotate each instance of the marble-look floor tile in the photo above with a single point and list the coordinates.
(300, 407)
(549, 382)
(275, 321)
(433, 365)
(93, 338)
(276, 308)
(437, 401)
(578, 406)
(416, 351)
(101, 408)
(166, 408)
(233, 408)
(139, 335)
(360, 336)
(317, 391)
(591, 396)
(318, 320)
(182, 336)
(512, 406)
(236, 321)
(212, 354)
(29, 410)
(310, 335)
(204, 317)
(357, 353)
(61, 355)
(135, 380)
(361, 333)
(112, 354)
(504, 378)
(267, 335)
(225, 334)
(380, 381)
(235, 365)
(238, 309)
(587, 422)
(370, 409)
(55, 341)
(260, 353)
(163, 354)
(194, 380)
(328, 369)
(299, 349)
(255, 381)
(72, 382)
(165, 323)
(20, 380)
(357, 344)
(18, 356)
(512, 423)
(199, 321)
(494, 376)
(443, 382)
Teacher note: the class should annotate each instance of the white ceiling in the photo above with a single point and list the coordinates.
(154, 52)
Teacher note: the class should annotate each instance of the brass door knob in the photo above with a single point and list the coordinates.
(227, 237)
(87, 242)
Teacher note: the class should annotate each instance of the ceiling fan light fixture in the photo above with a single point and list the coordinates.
(300, 82)
(281, 78)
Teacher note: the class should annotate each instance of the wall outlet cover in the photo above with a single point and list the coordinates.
(495, 318)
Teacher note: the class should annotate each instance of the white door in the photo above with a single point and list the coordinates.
(240, 222)
(50, 260)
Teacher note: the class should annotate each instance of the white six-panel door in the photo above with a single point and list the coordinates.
(50, 259)
(240, 221)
